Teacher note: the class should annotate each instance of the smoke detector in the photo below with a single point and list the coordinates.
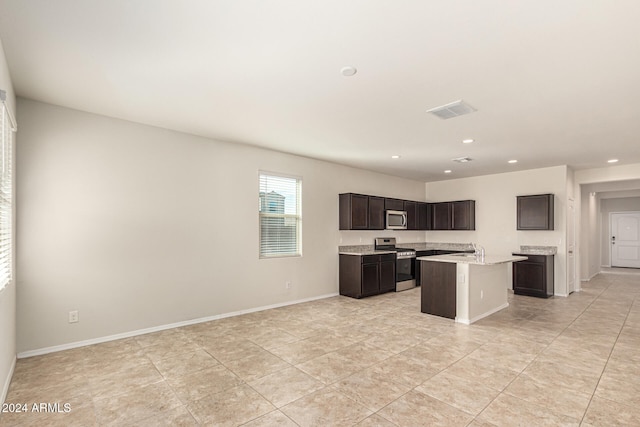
(462, 159)
(452, 109)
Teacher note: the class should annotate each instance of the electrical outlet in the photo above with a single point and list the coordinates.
(73, 316)
(287, 285)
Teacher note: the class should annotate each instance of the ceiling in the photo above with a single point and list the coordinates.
(553, 83)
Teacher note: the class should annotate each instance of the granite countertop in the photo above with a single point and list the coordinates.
(537, 250)
(361, 252)
(421, 246)
(471, 259)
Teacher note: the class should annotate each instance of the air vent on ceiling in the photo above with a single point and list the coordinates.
(462, 159)
(452, 109)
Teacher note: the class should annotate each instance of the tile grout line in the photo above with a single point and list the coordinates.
(537, 355)
(610, 353)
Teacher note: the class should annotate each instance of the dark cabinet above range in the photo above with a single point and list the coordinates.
(365, 212)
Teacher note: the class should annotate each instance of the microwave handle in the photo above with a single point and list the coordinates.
(404, 220)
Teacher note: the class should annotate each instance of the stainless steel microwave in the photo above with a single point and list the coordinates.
(396, 220)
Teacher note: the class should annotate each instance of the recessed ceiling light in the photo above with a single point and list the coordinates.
(513, 161)
(348, 71)
(467, 141)
(395, 157)
(612, 161)
(447, 171)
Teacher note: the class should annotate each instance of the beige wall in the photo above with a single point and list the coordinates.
(138, 227)
(8, 295)
(495, 197)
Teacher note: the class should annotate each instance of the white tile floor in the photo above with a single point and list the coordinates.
(370, 362)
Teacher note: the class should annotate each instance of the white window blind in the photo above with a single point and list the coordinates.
(280, 216)
(7, 128)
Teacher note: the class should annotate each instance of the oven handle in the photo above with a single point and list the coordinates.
(406, 256)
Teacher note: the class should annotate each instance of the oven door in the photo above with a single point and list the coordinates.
(405, 274)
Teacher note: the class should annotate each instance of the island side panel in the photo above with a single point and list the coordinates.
(487, 290)
(462, 293)
(438, 289)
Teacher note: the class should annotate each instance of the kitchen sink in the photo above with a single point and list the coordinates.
(465, 255)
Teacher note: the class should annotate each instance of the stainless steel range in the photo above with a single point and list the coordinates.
(405, 262)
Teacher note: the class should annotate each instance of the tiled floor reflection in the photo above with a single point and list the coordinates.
(371, 362)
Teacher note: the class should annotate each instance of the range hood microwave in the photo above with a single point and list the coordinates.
(396, 220)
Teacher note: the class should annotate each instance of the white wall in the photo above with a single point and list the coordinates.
(137, 227)
(590, 236)
(495, 197)
(8, 295)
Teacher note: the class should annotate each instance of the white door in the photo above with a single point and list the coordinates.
(571, 243)
(625, 239)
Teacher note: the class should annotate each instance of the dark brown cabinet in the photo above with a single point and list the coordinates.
(463, 215)
(535, 212)
(393, 204)
(438, 290)
(412, 214)
(424, 216)
(428, 252)
(366, 275)
(441, 216)
(534, 276)
(459, 215)
(361, 212)
(376, 213)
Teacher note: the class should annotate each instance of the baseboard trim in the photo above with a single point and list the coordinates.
(84, 343)
(483, 315)
(7, 382)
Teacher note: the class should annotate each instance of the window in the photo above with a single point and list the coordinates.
(7, 127)
(280, 218)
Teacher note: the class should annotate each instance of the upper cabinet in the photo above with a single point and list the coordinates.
(535, 212)
(463, 215)
(459, 215)
(412, 214)
(393, 204)
(424, 216)
(361, 212)
(364, 212)
(441, 216)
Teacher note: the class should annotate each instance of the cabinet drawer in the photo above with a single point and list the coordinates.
(374, 259)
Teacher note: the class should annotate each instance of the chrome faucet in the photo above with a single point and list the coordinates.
(478, 251)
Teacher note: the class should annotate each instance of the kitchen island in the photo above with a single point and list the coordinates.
(464, 287)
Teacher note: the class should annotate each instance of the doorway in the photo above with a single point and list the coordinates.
(625, 239)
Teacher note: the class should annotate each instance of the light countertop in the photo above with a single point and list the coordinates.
(537, 250)
(421, 246)
(471, 259)
(361, 252)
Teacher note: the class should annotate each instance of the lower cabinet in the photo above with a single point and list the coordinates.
(533, 276)
(366, 275)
